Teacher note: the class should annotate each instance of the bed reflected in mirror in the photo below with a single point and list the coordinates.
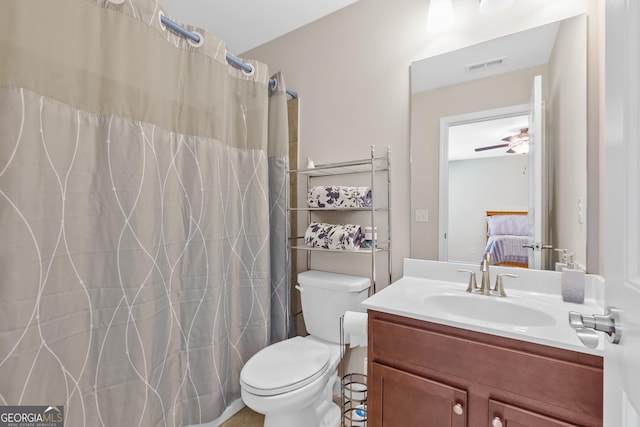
(507, 238)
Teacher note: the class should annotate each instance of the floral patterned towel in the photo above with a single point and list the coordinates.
(337, 196)
(333, 236)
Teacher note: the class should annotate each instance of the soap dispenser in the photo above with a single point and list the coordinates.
(563, 259)
(572, 282)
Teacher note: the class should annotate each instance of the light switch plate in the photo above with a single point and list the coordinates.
(422, 215)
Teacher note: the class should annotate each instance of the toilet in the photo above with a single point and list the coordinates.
(291, 382)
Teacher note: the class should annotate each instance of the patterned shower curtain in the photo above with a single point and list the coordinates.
(139, 176)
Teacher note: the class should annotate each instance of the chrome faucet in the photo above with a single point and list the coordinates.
(485, 280)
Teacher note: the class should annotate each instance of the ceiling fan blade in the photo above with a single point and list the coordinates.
(490, 147)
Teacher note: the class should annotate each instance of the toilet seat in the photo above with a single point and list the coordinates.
(285, 366)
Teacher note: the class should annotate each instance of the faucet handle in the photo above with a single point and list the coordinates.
(473, 285)
(499, 288)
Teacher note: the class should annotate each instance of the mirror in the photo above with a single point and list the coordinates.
(491, 83)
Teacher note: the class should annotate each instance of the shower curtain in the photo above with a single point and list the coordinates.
(139, 177)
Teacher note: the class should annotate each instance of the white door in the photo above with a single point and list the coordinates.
(622, 215)
(536, 151)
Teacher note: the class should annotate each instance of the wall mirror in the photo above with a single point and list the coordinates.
(480, 98)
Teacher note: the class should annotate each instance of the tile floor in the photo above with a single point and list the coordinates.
(245, 418)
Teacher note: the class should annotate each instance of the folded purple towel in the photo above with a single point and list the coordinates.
(333, 236)
(337, 196)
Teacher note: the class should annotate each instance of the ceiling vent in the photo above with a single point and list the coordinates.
(485, 65)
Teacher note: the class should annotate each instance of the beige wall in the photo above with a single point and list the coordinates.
(567, 104)
(595, 136)
(351, 70)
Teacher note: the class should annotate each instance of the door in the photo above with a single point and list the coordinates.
(407, 400)
(505, 415)
(622, 216)
(536, 152)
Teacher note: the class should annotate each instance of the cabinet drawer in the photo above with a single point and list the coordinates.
(399, 398)
(441, 352)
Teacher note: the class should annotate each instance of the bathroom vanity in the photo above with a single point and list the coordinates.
(430, 365)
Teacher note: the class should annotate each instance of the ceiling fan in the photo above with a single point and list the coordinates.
(518, 143)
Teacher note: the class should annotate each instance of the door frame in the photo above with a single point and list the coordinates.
(443, 180)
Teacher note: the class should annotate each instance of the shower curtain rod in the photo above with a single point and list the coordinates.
(230, 58)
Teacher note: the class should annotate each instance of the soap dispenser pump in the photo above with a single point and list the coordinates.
(563, 259)
(571, 262)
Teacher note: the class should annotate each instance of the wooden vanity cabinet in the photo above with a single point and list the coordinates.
(430, 375)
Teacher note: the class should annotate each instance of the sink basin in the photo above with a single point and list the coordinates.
(487, 309)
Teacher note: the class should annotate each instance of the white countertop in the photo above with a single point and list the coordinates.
(534, 290)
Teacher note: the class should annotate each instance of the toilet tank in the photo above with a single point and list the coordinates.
(327, 296)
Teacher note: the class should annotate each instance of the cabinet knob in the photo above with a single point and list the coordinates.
(497, 422)
(458, 409)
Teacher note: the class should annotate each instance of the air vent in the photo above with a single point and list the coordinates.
(485, 65)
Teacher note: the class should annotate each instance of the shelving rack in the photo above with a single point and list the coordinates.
(371, 166)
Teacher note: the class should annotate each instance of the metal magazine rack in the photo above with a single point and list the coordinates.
(353, 392)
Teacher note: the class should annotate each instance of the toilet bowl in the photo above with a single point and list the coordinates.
(291, 382)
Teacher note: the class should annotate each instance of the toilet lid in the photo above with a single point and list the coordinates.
(285, 366)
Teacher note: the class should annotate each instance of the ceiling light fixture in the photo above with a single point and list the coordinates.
(491, 7)
(440, 15)
(519, 145)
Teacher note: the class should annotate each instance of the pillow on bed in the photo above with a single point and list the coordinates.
(517, 225)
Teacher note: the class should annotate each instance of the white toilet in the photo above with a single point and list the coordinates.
(291, 382)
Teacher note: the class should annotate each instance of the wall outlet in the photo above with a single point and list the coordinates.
(422, 215)
(364, 366)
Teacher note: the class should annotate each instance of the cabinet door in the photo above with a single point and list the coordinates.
(398, 398)
(504, 415)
